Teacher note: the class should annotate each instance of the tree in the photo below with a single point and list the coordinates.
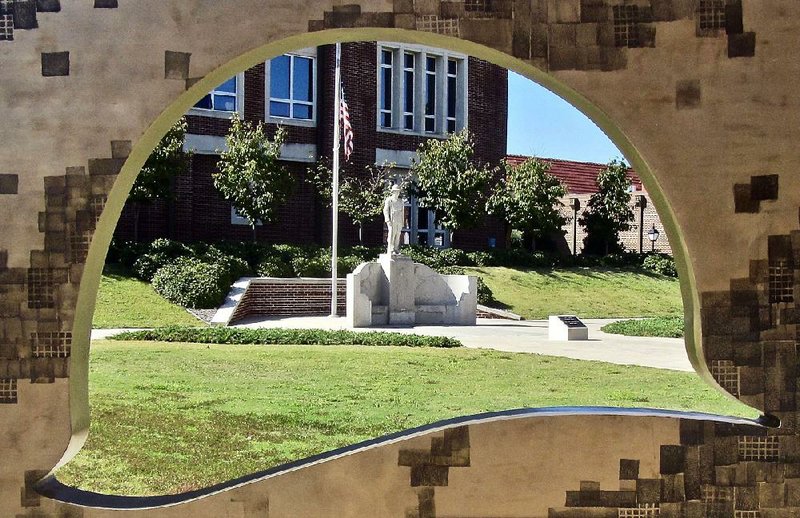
(608, 212)
(448, 181)
(360, 197)
(528, 198)
(154, 180)
(250, 174)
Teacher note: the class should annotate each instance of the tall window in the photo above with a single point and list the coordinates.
(292, 87)
(421, 90)
(223, 98)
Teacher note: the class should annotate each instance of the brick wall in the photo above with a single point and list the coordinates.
(199, 213)
(290, 297)
(629, 238)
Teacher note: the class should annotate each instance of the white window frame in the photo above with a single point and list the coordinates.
(288, 121)
(420, 84)
(237, 219)
(223, 114)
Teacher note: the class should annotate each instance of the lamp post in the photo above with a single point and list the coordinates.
(653, 236)
(641, 202)
(575, 204)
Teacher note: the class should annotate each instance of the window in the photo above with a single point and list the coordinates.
(238, 219)
(420, 90)
(223, 98)
(291, 81)
(422, 227)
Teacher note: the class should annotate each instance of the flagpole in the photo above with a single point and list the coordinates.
(335, 191)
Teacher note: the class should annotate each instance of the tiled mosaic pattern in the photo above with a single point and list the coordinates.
(38, 302)
(750, 332)
(718, 470)
(563, 35)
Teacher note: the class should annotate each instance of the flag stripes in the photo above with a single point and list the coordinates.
(344, 114)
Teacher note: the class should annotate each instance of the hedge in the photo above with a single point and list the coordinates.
(237, 336)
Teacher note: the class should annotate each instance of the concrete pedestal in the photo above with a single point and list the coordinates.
(394, 290)
(399, 271)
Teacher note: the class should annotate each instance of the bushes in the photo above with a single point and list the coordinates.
(230, 335)
(660, 263)
(274, 267)
(192, 283)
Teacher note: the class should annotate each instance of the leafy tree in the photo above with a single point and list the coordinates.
(250, 174)
(153, 181)
(608, 212)
(528, 198)
(448, 181)
(360, 197)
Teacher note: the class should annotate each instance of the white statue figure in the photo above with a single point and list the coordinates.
(393, 212)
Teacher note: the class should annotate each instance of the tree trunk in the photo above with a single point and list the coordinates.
(361, 234)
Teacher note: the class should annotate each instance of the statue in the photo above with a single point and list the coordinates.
(393, 212)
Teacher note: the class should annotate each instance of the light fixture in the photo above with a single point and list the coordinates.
(653, 234)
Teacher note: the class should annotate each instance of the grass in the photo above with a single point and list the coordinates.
(669, 327)
(586, 292)
(173, 417)
(229, 335)
(124, 301)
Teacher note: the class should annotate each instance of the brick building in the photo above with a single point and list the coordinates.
(398, 95)
(580, 180)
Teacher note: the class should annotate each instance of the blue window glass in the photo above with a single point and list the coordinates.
(302, 111)
(303, 74)
(228, 86)
(221, 98)
(204, 103)
(292, 87)
(279, 77)
(278, 109)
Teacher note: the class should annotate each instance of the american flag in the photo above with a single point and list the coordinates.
(344, 114)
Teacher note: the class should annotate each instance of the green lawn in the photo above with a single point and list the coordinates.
(124, 301)
(586, 292)
(171, 417)
(670, 327)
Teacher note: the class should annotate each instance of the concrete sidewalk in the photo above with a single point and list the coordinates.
(528, 336)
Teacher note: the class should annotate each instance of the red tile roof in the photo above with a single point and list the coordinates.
(578, 177)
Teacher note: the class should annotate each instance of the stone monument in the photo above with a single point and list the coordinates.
(394, 290)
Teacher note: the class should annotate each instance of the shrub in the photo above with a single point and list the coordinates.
(232, 335)
(125, 253)
(156, 255)
(346, 264)
(192, 283)
(365, 253)
(234, 267)
(169, 248)
(660, 263)
(146, 266)
(274, 267)
(311, 267)
(482, 258)
(670, 327)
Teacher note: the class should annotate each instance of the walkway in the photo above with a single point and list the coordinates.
(529, 336)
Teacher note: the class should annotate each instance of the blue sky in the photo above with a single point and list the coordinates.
(542, 124)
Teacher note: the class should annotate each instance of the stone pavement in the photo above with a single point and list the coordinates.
(528, 336)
